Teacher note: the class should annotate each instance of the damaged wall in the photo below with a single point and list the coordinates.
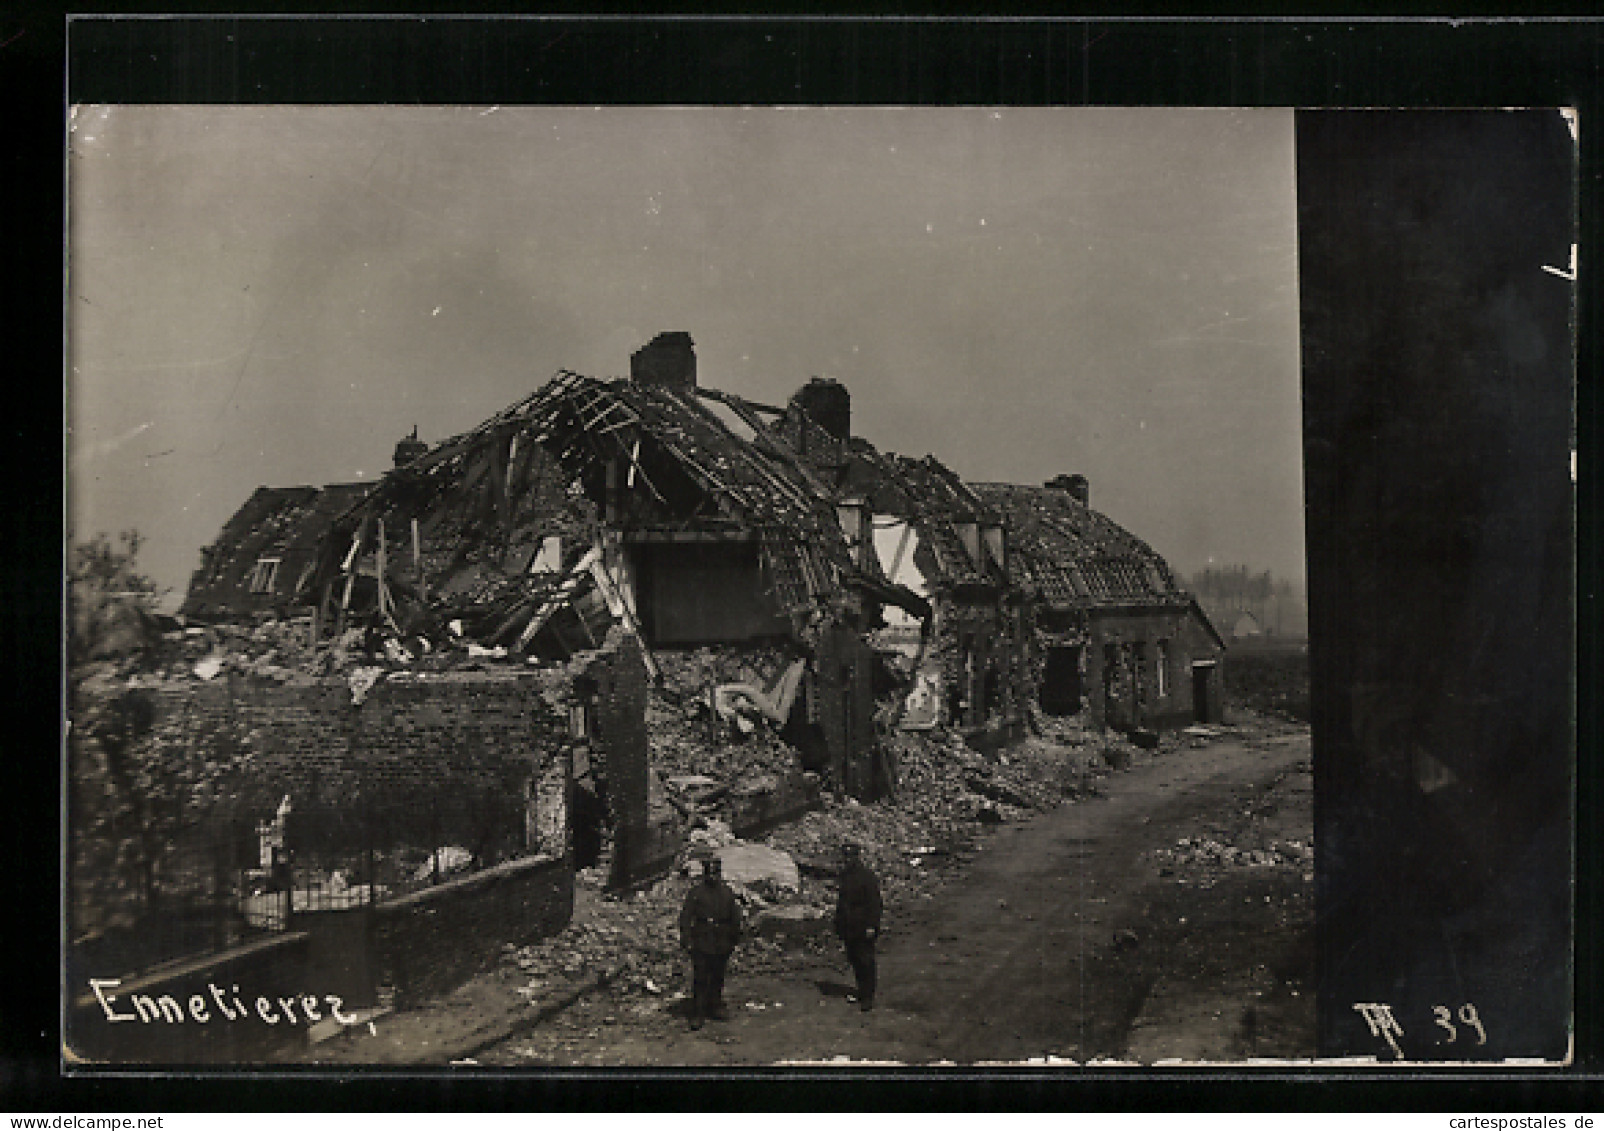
(432, 941)
(841, 703)
(979, 655)
(422, 761)
(1120, 677)
(618, 736)
(420, 758)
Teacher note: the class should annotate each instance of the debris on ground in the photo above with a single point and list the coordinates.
(1238, 842)
(913, 841)
(1211, 853)
(703, 758)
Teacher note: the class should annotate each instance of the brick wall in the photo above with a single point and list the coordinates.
(645, 852)
(432, 941)
(620, 728)
(620, 739)
(424, 761)
(1135, 685)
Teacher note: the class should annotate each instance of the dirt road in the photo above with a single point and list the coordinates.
(1090, 932)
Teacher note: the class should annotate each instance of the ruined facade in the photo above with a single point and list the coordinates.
(692, 517)
(266, 552)
(1112, 632)
(929, 533)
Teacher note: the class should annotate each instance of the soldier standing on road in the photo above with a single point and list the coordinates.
(857, 921)
(709, 928)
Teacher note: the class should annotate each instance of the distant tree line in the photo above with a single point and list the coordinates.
(1275, 604)
(1239, 587)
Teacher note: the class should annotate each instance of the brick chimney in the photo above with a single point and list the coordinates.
(827, 403)
(668, 359)
(1077, 486)
(410, 448)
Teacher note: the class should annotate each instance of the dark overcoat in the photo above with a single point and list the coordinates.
(857, 908)
(710, 920)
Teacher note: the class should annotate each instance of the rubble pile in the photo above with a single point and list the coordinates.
(275, 649)
(751, 765)
(281, 650)
(786, 882)
(630, 941)
(1209, 853)
(946, 794)
(687, 740)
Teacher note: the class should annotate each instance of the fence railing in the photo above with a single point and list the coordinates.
(249, 868)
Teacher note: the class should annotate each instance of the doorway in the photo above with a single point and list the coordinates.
(1205, 708)
(1061, 692)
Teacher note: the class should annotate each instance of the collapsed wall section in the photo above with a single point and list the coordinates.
(409, 826)
(424, 759)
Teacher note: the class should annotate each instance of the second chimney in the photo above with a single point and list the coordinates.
(1076, 485)
(668, 359)
(410, 448)
(827, 403)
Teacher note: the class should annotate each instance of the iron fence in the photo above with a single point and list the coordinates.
(144, 897)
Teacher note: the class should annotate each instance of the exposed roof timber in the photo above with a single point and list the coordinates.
(670, 433)
(738, 403)
(634, 537)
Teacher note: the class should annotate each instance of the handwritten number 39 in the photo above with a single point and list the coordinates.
(1467, 1016)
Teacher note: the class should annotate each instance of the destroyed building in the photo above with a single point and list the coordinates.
(264, 554)
(617, 616)
(692, 517)
(1112, 632)
(678, 512)
(931, 534)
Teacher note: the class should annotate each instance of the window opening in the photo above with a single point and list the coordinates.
(263, 575)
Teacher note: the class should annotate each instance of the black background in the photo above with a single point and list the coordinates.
(1443, 432)
(1437, 424)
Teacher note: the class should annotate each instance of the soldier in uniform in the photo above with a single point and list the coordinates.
(709, 928)
(857, 921)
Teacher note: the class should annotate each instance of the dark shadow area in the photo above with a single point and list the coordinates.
(1437, 353)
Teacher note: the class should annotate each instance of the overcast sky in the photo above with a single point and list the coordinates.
(276, 295)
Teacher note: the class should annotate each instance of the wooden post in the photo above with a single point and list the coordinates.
(320, 613)
(345, 604)
(379, 563)
(350, 576)
(417, 561)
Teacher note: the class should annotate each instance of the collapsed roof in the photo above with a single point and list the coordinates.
(520, 520)
(1072, 557)
(266, 551)
(962, 531)
(648, 460)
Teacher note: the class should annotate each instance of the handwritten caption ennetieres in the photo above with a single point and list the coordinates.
(165, 1008)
